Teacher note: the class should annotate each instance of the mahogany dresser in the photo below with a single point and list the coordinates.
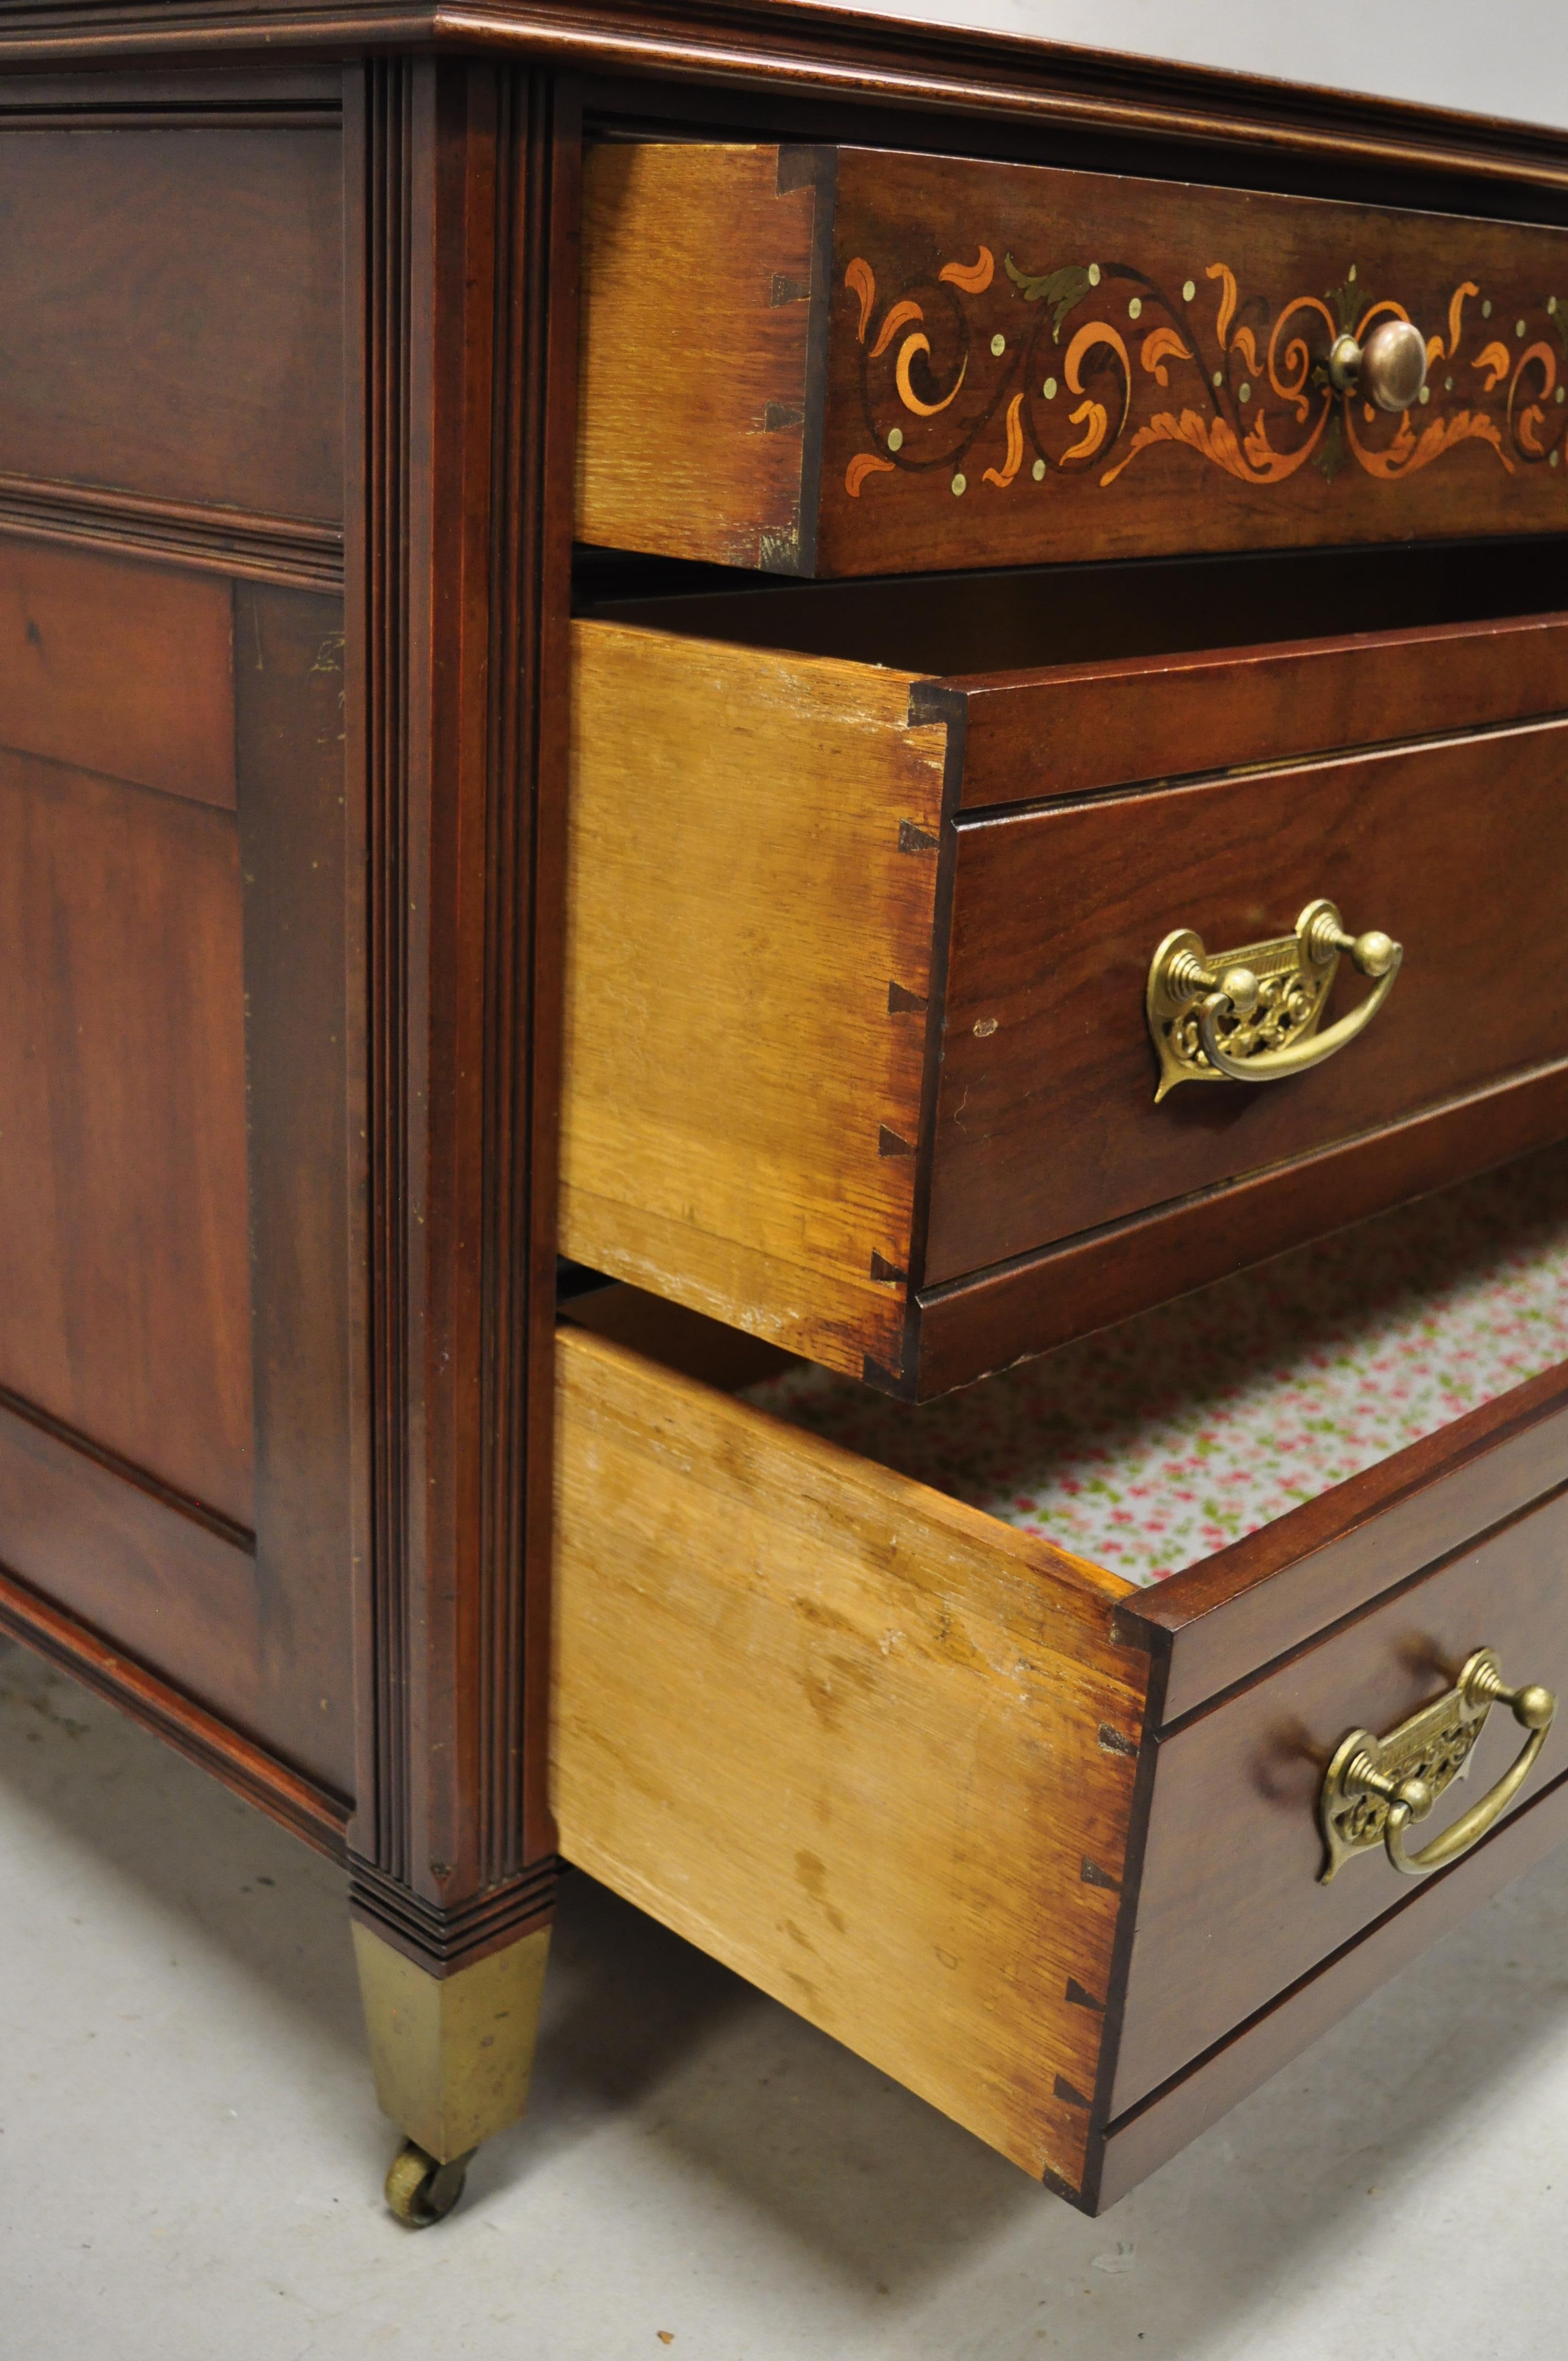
(710, 706)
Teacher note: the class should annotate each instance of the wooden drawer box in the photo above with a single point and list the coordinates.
(1041, 1844)
(840, 361)
(857, 1055)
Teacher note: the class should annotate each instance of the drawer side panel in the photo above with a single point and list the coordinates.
(692, 430)
(752, 882)
(872, 1751)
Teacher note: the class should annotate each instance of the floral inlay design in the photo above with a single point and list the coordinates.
(1104, 364)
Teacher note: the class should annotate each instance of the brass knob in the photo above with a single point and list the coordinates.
(1389, 369)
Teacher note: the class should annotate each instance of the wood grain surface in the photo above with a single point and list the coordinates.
(846, 1735)
(177, 1588)
(171, 313)
(1159, 2126)
(1045, 1120)
(1229, 1910)
(304, 1163)
(125, 1276)
(118, 668)
(695, 445)
(1022, 362)
(1140, 379)
(749, 964)
(1071, 731)
(207, 1739)
(1106, 1273)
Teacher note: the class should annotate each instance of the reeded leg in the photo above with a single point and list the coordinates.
(453, 2057)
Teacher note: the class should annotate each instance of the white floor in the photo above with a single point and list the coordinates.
(189, 2154)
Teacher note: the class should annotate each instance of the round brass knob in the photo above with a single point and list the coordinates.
(1533, 1706)
(1242, 989)
(1389, 369)
(1375, 953)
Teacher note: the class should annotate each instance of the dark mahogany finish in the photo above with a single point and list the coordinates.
(287, 359)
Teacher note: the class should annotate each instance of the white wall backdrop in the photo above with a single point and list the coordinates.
(1494, 57)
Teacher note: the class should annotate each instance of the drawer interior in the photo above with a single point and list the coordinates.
(901, 1737)
(1019, 618)
(1147, 1446)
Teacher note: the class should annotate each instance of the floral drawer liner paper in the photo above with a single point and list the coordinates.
(1154, 1444)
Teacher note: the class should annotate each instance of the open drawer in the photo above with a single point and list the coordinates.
(1041, 1843)
(869, 887)
(849, 361)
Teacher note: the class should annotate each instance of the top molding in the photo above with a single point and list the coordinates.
(815, 52)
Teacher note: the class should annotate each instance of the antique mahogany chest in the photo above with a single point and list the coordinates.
(713, 719)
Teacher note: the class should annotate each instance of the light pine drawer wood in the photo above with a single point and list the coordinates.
(1038, 1844)
(843, 360)
(857, 1052)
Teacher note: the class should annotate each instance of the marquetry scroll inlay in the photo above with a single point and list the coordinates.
(1090, 368)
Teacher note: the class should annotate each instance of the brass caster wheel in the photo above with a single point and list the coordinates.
(420, 2191)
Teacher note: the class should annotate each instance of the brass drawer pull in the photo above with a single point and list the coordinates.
(1251, 1015)
(1376, 1786)
(1389, 369)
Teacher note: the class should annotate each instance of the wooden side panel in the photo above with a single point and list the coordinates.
(1229, 1910)
(1045, 1120)
(846, 1735)
(175, 1589)
(1105, 367)
(753, 886)
(697, 273)
(1073, 730)
(171, 313)
(305, 1167)
(118, 667)
(125, 1291)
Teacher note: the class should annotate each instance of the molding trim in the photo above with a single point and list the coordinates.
(136, 1479)
(380, 667)
(820, 53)
(291, 551)
(451, 177)
(443, 1940)
(284, 1794)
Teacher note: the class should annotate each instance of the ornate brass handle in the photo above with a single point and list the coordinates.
(1389, 369)
(1251, 1015)
(1376, 1786)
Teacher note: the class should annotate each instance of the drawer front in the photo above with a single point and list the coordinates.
(868, 362)
(1231, 1910)
(1047, 1123)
